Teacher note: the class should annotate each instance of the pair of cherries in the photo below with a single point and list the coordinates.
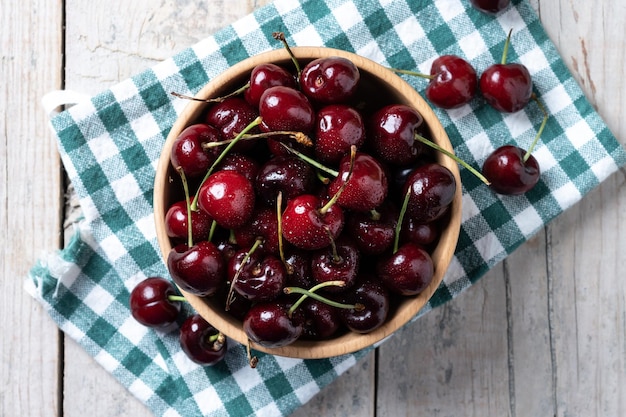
(508, 88)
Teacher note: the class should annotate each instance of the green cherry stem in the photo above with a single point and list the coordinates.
(252, 125)
(216, 99)
(280, 36)
(405, 204)
(183, 178)
(177, 298)
(453, 156)
(413, 73)
(212, 230)
(540, 131)
(299, 137)
(229, 297)
(311, 161)
(505, 52)
(335, 197)
(312, 294)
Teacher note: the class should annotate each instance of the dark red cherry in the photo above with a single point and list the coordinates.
(507, 87)
(330, 80)
(286, 174)
(337, 129)
(286, 109)
(392, 134)
(490, 6)
(242, 163)
(230, 117)
(176, 224)
(373, 233)
(268, 324)
(264, 224)
(367, 186)
(408, 271)
(228, 197)
(454, 83)
(420, 233)
(187, 151)
(150, 302)
(261, 278)
(264, 76)
(201, 342)
(507, 171)
(432, 187)
(321, 321)
(307, 227)
(198, 269)
(298, 267)
(342, 265)
(375, 300)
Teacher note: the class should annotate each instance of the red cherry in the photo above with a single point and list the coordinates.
(187, 151)
(176, 222)
(230, 117)
(432, 187)
(198, 269)
(330, 80)
(260, 278)
(150, 302)
(228, 197)
(509, 173)
(507, 87)
(408, 271)
(375, 300)
(264, 76)
(392, 134)
(338, 127)
(367, 186)
(306, 227)
(201, 342)
(286, 109)
(269, 324)
(453, 84)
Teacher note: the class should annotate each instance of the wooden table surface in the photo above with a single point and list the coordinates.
(542, 334)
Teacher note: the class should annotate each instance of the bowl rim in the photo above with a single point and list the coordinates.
(444, 252)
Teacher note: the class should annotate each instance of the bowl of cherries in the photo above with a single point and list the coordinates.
(297, 205)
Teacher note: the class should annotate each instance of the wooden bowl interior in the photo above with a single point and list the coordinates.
(379, 86)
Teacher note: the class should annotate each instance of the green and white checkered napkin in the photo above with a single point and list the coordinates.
(110, 145)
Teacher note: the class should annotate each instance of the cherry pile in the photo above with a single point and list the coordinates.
(306, 209)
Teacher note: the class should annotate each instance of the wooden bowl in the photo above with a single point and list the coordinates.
(379, 83)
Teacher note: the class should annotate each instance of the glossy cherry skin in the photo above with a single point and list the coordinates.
(199, 269)
(286, 174)
(375, 298)
(230, 117)
(286, 109)
(264, 224)
(187, 151)
(454, 83)
(298, 266)
(345, 267)
(269, 325)
(150, 304)
(408, 271)
(490, 6)
(508, 173)
(423, 234)
(373, 235)
(262, 278)
(392, 134)
(330, 80)
(338, 127)
(264, 76)
(367, 186)
(176, 224)
(507, 87)
(321, 321)
(242, 163)
(228, 197)
(432, 187)
(194, 340)
(306, 228)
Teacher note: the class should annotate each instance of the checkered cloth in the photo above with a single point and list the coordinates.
(110, 145)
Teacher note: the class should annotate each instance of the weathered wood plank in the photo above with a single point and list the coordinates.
(30, 191)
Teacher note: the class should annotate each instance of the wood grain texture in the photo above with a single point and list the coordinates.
(31, 195)
(542, 334)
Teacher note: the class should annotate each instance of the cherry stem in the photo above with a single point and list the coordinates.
(297, 136)
(177, 298)
(229, 297)
(335, 197)
(252, 360)
(279, 227)
(312, 294)
(453, 156)
(212, 230)
(336, 258)
(252, 125)
(540, 131)
(414, 73)
(405, 204)
(216, 99)
(280, 36)
(505, 52)
(311, 161)
(217, 340)
(183, 178)
(375, 215)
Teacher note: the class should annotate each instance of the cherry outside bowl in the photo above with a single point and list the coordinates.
(386, 87)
